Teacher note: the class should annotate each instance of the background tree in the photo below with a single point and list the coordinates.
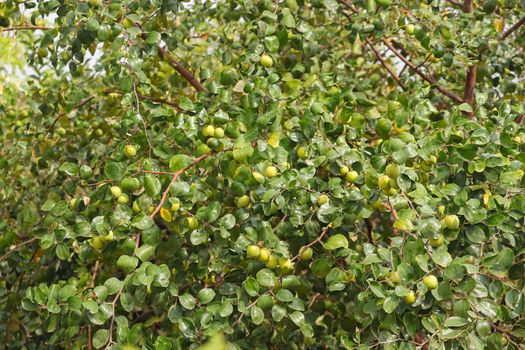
(270, 174)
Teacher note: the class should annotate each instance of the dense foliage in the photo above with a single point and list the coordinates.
(267, 174)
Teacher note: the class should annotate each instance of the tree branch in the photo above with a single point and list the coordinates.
(17, 247)
(163, 54)
(513, 28)
(470, 84)
(24, 28)
(468, 6)
(159, 100)
(79, 105)
(92, 285)
(387, 67)
(173, 179)
(429, 79)
(317, 240)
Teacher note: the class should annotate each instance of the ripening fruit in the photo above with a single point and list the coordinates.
(344, 170)
(306, 253)
(94, 3)
(99, 132)
(264, 256)
(410, 298)
(130, 151)
(430, 281)
(123, 199)
(451, 222)
(266, 61)
(97, 242)
(135, 207)
(391, 191)
(393, 170)
(258, 177)
(192, 222)
(351, 176)
(272, 262)
(322, 199)
(253, 251)
(115, 191)
(208, 131)
(301, 153)
(384, 182)
(270, 171)
(285, 264)
(410, 29)
(219, 133)
(243, 201)
(436, 242)
(61, 131)
(175, 206)
(394, 277)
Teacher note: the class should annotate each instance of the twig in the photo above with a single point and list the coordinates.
(317, 240)
(513, 28)
(159, 100)
(17, 247)
(92, 285)
(77, 106)
(173, 179)
(113, 303)
(24, 28)
(163, 54)
(429, 79)
(387, 67)
(470, 84)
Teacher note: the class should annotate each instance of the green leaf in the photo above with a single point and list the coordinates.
(205, 295)
(336, 241)
(390, 304)
(187, 301)
(153, 37)
(257, 315)
(127, 263)
(100, 338)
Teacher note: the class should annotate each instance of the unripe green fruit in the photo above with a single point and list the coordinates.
(258, 177)
(272, 262)
(344, 170)
(208, 131)
(436, 242)
(97, 242)
(270, 171)
(175, 206)
(123, 199)
(394, 277)
(94, 3)
(192, 223)
(384, 182)
(266, 61)
(115, 191)
(430, 281)
(130, 151)
(393, 170)
(243, 201)
(61, 131)
(129, 184)
(306, 253)
(286, 265)
(135, 207)
(410, 298)
(264, 256)
(391, 192)
(410, 29)
(99, 132)
(253, 251)
(451, 222)
(322, 199)
(219, 133)
(351, 176)
(301, 153)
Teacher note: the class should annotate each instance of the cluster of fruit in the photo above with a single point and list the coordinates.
(285, 265)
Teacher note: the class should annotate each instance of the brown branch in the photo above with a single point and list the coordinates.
(513, 28)
(17, 247)
(470, 84)
(387, 67)
(173, 179)
(111, 325)
(92, 285)
(317, 240)
(429, 79)
(163, 54)
(159, 100)
(468, 6)
(77, 106)
(24, 28)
